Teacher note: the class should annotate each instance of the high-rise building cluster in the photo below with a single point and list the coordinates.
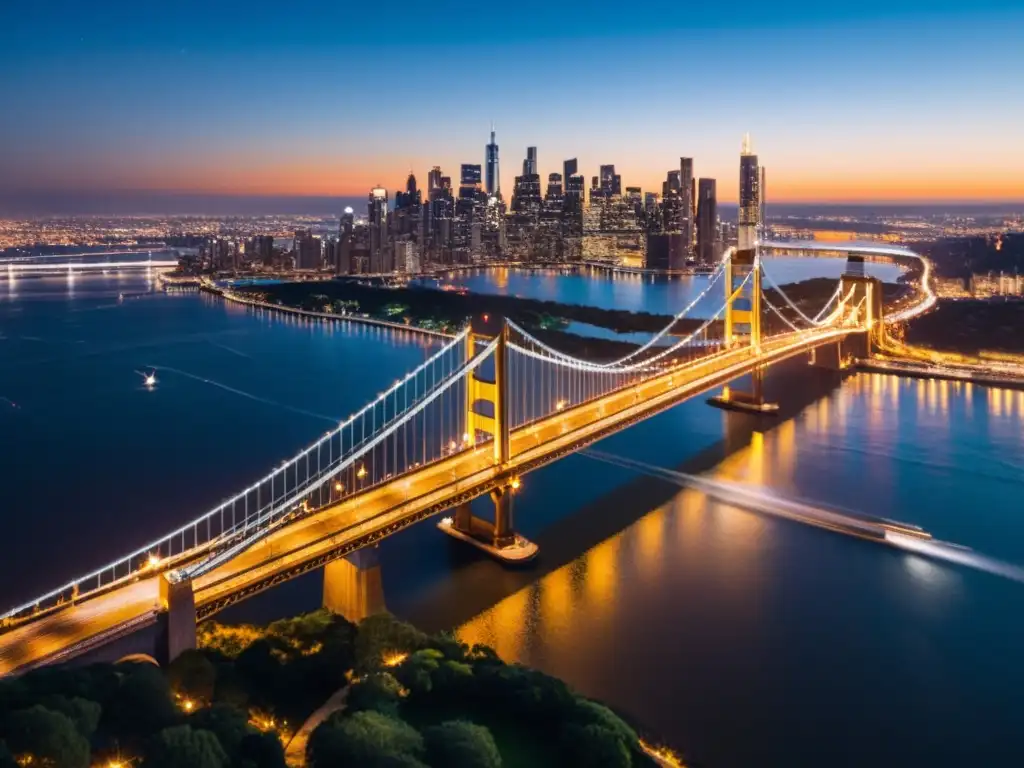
(547, 218)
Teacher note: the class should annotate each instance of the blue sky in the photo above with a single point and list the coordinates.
(865, 101)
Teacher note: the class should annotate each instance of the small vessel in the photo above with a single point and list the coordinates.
(149, 379)
(120, 297)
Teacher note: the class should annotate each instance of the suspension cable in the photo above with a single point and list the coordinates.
(816, 319)
(715, 275)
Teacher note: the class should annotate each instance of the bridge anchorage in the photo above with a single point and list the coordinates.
(493, 404)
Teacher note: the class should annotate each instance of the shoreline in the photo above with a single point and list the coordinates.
(211, 288)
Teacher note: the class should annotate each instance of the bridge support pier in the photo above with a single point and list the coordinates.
(828, 356)
(353, 586)
(178, 617)
(748, 402)
(497, 538)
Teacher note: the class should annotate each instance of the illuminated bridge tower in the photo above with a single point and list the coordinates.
(487, 416)
(743, 288)
(866, 300)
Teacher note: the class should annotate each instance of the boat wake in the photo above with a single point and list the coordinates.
(905, 536)
(242, 393)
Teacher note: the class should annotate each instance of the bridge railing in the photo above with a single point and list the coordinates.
(298, 483)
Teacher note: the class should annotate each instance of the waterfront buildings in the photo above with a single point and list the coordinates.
(549, 217)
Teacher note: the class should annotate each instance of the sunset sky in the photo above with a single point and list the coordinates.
(872, 101)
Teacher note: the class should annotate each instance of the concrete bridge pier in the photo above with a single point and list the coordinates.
(752, 401)
(499, 538)
(504, 519)
(353, 587)
(828, 356)
(177, 632)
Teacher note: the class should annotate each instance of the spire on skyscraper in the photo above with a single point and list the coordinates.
(746, 150)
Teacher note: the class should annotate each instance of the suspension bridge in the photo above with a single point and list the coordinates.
(493, 404)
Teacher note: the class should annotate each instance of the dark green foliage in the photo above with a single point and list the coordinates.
(593, 745)
(363, 739)
(458, 744)
(228, 724)
(418, 670)
(449, 646)
(50, 737)
(261, 750)
(83, 713)
(381, 635)
(289, 669)
(378, 692)
(591, 713)
(185, 747)
(192, 675)
(142, 704)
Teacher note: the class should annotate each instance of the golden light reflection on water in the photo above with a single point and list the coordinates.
(588, 588)
(593, 589)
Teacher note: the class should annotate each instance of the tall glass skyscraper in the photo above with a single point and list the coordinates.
(750, 197)
(493, 185)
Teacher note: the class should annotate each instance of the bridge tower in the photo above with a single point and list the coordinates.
(867, 297)
(743, 297)
(480, 391)
(743, 324)
(498, 538)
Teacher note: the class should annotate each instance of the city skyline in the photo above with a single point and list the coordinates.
(905, 102)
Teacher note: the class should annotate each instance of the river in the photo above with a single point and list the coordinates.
(736, 638)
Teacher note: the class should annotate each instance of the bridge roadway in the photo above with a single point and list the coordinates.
(309, 542)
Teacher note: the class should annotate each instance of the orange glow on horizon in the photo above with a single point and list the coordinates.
(260, 175)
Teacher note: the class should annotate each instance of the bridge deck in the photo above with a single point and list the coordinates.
(307, 543)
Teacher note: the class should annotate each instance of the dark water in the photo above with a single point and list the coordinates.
(737, 638)
(94, 464)
(638, 292)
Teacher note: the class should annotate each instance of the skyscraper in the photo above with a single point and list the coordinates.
(762, 193)
(433, 179)
(346, 229)
(530, 163)
(686, 193)
(707, 221)
(569, 169)
(377, 214)
(469, 175)
(308, 250)
(493, 185)
(750, 197)
(611, 182)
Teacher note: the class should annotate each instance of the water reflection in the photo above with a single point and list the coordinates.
(701, 618)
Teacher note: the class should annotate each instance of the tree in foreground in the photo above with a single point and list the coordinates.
(379, 692)
(363, 739)
(461, 744)
(594, 745)
(193, 676)
(185, 747)
(38, 736)
(261, 750)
